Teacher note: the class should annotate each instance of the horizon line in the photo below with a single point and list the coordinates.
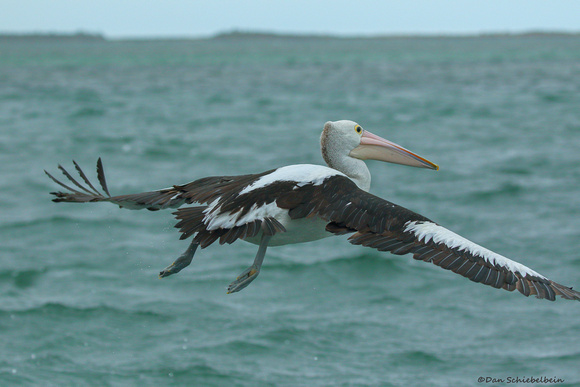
(249, 33)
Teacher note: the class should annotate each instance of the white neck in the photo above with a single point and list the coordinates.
(354, 168)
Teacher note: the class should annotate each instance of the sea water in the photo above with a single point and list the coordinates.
(80, 301)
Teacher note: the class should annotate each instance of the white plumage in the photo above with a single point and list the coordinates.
(297, 230)
(301, 174)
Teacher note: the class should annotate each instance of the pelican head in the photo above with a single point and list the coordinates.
(344, 144)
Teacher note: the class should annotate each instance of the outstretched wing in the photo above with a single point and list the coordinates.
(208, 223)
(201, 191)
(385, 226)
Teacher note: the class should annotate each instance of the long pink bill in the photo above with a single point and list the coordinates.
(373, 147)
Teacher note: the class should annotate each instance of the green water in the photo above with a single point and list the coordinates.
(80, 302)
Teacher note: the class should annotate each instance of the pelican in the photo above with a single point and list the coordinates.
(304, 202)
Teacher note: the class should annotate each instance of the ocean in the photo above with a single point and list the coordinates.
(80, 301)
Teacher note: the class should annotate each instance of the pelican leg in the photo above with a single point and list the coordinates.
(180, 263)
(250, 274)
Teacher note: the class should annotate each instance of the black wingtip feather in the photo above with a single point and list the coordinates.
(101, 176)
(61, 184)
(85, 178)
(68, 176)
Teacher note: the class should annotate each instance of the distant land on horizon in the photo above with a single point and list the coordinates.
(240, 34)
(50, 36)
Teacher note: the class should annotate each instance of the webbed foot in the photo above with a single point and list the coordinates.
(244, 279)
(180, 263)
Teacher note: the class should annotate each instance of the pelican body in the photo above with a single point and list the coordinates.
(305, 202)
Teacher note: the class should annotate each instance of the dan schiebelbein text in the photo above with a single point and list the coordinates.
(523, 380)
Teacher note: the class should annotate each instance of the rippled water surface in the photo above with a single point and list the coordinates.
(80, 300)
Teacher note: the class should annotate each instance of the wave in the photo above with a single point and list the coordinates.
(506, 189)
(284, 334)
(63, 219)
(88, 112)
(22, 278)
(196, 374)
(60, 309)
(239, 346)
(369, 260)
(419, 357)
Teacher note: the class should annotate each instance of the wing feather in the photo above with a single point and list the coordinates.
(385, 226)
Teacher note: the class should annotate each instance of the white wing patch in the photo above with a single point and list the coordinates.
(214, 219)
(426, 231)
(302, 174)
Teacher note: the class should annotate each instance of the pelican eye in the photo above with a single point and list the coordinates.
(358, 129)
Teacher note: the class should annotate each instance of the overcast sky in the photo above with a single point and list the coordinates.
(194, 18)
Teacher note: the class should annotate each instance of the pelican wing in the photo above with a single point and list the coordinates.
(201, 191)
(385, 226)
(228, 216)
